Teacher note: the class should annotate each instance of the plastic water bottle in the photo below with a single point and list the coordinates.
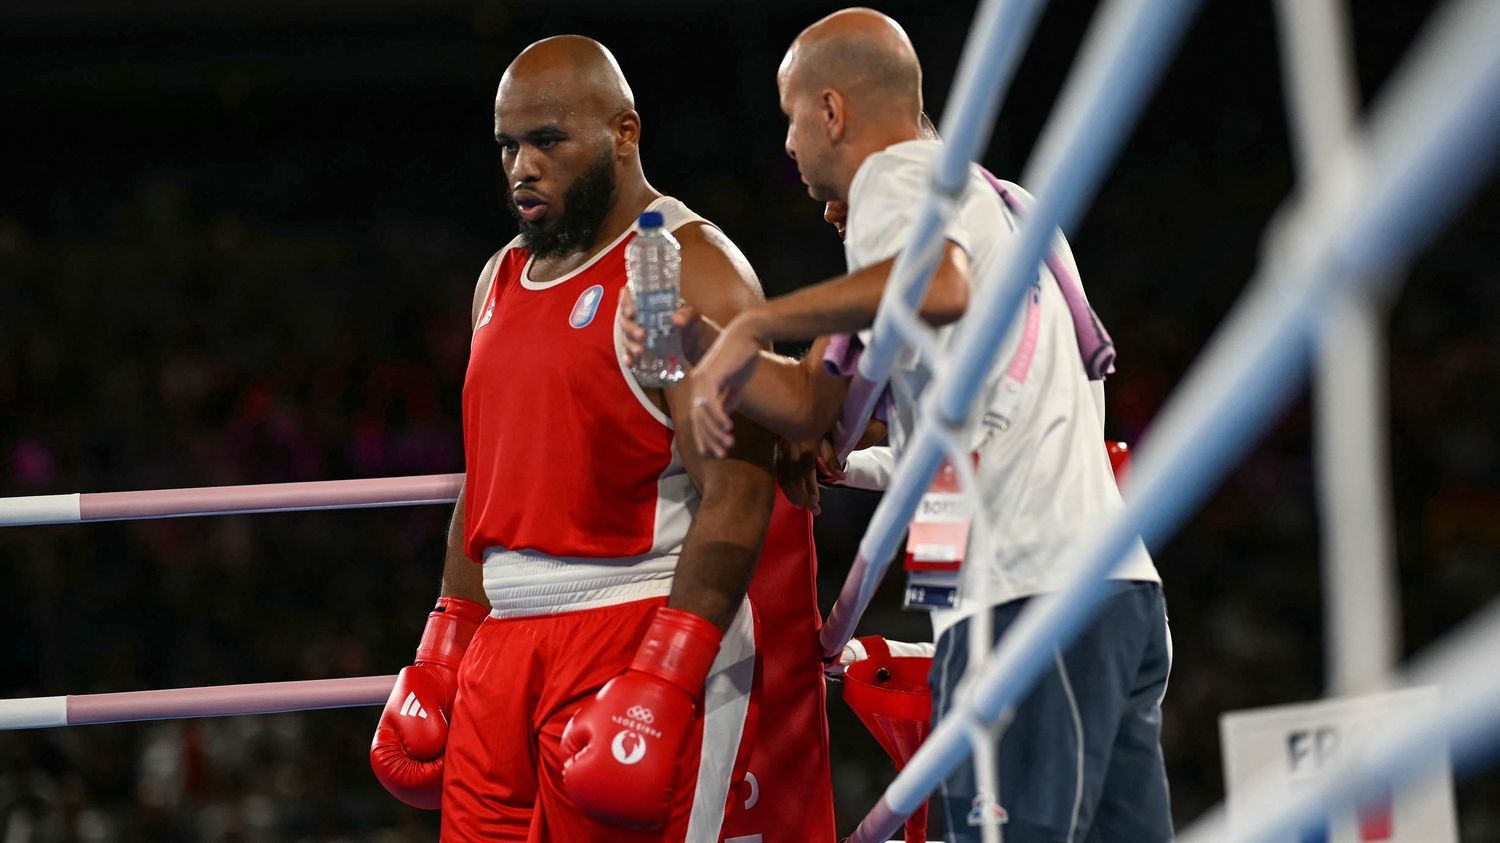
(653, 265)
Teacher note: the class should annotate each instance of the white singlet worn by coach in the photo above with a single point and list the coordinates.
(1044, 477)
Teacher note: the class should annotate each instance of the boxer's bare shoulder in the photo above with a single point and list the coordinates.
(717, 279)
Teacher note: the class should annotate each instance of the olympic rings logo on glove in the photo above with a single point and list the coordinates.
(641, 713)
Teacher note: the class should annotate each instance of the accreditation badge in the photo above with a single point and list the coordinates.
(937, 541)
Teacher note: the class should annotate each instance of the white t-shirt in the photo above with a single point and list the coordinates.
(1046, 477)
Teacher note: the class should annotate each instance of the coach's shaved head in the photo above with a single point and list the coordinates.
(569, 137)
(850, 86)
(862, 53)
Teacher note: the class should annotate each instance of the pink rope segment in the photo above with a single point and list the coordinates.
(231, 500)
(271, 497)
(859, 403)
(211, 701)
(846, 611)
(881, 822)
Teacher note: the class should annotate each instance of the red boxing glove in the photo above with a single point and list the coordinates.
(407, 752)
(625, 743)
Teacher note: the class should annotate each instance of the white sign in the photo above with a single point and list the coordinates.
(1291, 745)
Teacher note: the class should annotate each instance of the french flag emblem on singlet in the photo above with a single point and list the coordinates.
(586, 306)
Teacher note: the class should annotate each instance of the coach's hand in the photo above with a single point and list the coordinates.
(407, 752)
(625, 743)
(716, 382)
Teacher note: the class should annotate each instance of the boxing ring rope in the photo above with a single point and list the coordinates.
(230, 500)
(1428, 144)
(1361, 619)
(217, 700)
(209, 701)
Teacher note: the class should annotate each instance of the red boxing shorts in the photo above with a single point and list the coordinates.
(521, 681)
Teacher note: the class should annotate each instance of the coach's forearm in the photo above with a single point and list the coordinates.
(461, 577)
(838, 306)
(849, 303)
(723, 543)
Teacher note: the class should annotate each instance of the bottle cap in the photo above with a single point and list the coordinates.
(651, 219)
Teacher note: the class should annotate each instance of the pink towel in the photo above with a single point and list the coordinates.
(1094, 344)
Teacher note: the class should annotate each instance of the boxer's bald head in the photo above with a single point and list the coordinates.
(570, 72)
(567, 128)
(851, 85)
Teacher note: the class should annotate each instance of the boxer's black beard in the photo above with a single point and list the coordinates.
(585, 206)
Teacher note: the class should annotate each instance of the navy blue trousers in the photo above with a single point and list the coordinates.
(1081, 762)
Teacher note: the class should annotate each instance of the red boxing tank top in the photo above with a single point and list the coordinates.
(565, 455)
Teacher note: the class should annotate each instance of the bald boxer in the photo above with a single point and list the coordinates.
(586, 673)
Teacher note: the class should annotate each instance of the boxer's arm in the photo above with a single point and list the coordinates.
(461, 576)
(408, 752)
(667, 674)
(798, 399)
(719, 553)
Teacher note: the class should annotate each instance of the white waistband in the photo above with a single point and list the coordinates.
(521, 582)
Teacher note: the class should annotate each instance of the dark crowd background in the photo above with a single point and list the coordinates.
(237, 245)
